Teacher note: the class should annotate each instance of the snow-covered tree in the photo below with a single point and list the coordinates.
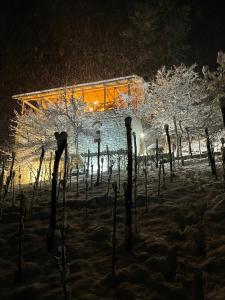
(181, 93)
(214, 84)
(32, 130)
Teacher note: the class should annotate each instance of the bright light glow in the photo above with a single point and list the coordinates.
(142, 135)
(91, 109)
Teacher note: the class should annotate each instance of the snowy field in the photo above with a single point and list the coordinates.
(178, 247)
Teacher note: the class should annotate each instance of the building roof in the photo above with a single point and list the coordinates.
(103, 92)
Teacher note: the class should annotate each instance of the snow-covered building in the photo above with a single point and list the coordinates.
(101, 96)
(106, 104)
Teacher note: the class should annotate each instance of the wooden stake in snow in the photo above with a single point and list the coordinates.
(88, 162)
(13, 188)
(166, 127)
(128, 194)
(135, 180)
(92, 175)
(163, 169)
(223, 159)
(199, 146)
(64, 183)
(156, 153)
(2, 178)
(77, 188)
(50, 167)
(119, 159)
(20, 243)
(39, 169)
(109, 181)
(61, 139)
(102, 162)
(180, 143)
(210, 154)
(9, 178)
(107, 151)
(146, 184)
(114, 185)
(86, 192)
(177, 137)
(189, 141)
(98, 157)
(159, 177)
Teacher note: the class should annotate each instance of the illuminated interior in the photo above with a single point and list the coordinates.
(98, 96)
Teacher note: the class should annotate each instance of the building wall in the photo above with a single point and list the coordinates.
(112, 133)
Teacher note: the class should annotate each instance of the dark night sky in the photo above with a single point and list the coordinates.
(50, 43)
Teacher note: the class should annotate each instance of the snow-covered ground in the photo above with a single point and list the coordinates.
(178, 250)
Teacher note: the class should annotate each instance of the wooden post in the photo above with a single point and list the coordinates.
(109, 180)
(189, 141)
(9, 178)
(223, 159)
(135, 180)
(199, 146)
(61, 139)
(88, 162)
(114, 185)
(156, 153)
(13, 188)
(128, 194)
(39, 169)
(146, 184)
(102, 162)
(50, 167)
(2, 178)
(119, 170)
(92, 175)
(86, 193)
(210, 155)
(107, 151)
(77, 187)
(20, 244)
(98, 158)
(180, 143)
(166, 127)
(177, 137)
(64, 183)
(159, 177)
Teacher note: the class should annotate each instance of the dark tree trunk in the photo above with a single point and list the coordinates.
(128, 194)
(61, 139)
